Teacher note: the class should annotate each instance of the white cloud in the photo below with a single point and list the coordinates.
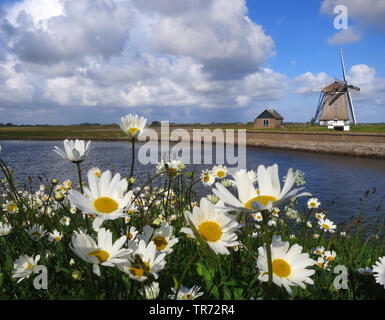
(112, 55)
(349, 35)
(309, 82)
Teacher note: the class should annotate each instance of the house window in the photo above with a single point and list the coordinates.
(265, 123)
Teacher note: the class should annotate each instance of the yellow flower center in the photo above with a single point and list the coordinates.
(189, 296)
(100, 254)
(97, 173)
(220, 174)
(36, 234)
(262, 199)
(12, 207)
(330, 258)
(320, 264)
(56, 239)
(105, 205)
(140, 269)
(172, 172)
(133, 131)
(313, 204)
(210, 231)
(30, 266)
(319, 252)
(281, 268)
(160, 243)
(326, 226)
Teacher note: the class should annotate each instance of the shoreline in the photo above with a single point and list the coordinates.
(340, 144)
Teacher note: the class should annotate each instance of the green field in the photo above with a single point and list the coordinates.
(113, 132)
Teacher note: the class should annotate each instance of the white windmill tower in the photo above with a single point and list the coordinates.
(332, 108)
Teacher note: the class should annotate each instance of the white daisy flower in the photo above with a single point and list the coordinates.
(365, 271)
(214, 225)
(96, 171)
(327, 225)
(143, 261)
(186, 293)
(289, 264)
(105, 252)
(268, 195)
(207, 177)
(10, 207)
(313, 203)
(162, 237)
(5, 228)
(54, 236)
(132, 125)
(322, 263)
(107, 198)
(132, 234)
(379, 271)
(65, 221)
(75, 151)
(330, 255)
(320, 215)
(171, 167)
(36, 232)
(319, 251)
(151, 291)
(219, 171)
(24, 266)
(252, 175)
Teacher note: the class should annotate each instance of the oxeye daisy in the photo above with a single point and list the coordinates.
(5, 228)
(65, 221)
(289, 264)
(143, 261)
(24, 266)
(219, 171)
(319, 215)
(54, 236)
(214, 225)
(171, 167)
(162, 237)
(379, 271)
(96, 171)
(327, 225)
(75, 151)
(268, 195)
(107, 197)
(132, 234)
(10, 207)
(330, 255)
(313, 203)
(105, 252)
(186, 293)
(319, 251)
(151, 291)
(365, 271)
(207, 177)
(132, 125)
(322, 263)
(36, 232)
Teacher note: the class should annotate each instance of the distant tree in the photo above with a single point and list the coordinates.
(155, 123)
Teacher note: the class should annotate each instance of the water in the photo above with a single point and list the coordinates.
(337, 181)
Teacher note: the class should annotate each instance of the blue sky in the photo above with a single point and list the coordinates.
(66, 61)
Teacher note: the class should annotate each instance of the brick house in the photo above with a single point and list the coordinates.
(268, 119)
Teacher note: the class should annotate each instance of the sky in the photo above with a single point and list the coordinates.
(196, 61)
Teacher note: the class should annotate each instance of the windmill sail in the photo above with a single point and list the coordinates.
(347, 89)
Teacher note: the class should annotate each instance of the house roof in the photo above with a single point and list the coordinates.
(270, 113)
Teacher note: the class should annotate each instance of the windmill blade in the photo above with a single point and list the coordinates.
(343, 65)
(351, 107)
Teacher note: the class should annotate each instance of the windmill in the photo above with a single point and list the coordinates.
(332, 108)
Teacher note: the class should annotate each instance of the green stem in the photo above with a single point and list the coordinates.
(132, 156)
(184, 273)
(80, 177)
(268, 251)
